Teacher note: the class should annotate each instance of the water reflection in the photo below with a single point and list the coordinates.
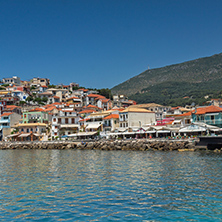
(74, 185)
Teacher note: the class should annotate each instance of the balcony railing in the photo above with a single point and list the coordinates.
(211, 122)
(4, 121)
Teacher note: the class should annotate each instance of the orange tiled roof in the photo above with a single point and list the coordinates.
(57, 103)
(87, 111)
(84, 90)
(6, 114)
(185, 114)
(92, 106)
(95, 96)
(104, 100)
(112, 116)
(208, 109)
(86, 119)
(203, 110)
(36, 109)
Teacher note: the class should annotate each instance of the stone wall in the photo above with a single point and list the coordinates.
(137, 145)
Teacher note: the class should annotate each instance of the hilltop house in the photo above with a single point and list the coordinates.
(14, 81)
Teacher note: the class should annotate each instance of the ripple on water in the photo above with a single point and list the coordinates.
(74, 185)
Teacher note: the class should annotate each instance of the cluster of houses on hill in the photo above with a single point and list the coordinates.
(35, 110)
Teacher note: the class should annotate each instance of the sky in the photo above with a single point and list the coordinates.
(102, 43)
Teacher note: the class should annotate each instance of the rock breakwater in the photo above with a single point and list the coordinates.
(136, 145)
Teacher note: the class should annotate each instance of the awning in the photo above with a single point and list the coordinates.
(93, 125)
(177, 121)
(163, 131)
(128, 133)
(24, 135)
(191, 130)
(69, 126)
(37, 135)
(13, 135)
(151, 131)
(82, 134)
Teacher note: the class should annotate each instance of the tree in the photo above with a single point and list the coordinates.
(29, 99)
(44, 99)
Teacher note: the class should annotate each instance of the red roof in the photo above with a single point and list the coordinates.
(72, 98)
(6, 114)
(56, 97)
(92, 106)
(83, 120)
(185, 114)
(208, 109)
(112, 116)
(95, 96)
(87, 111)
(44, 86)
(36, 110)
(203, 110)
(84, 90)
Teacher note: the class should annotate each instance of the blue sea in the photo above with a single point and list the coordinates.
(77, 185)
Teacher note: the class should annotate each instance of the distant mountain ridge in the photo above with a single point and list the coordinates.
(203, 75)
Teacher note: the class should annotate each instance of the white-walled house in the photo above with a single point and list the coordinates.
(64, 123)
(136, 117)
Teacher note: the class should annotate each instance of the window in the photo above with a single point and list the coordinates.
(120, 124)
(55, 134)
(59, 120)
(54, 119)
(56, 127)
(27, 130)
(73, 120)
(66, 120)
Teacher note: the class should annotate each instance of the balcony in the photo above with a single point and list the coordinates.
(211, 122)
(4, 121)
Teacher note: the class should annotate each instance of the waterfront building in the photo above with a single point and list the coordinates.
(7, 122)
(136, 117)
(211, 115)
(159, 110)
(30, 132)
(64, 123)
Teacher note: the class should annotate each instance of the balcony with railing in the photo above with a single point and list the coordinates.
(4, 120)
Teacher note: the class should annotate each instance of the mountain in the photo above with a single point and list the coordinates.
(178, 84)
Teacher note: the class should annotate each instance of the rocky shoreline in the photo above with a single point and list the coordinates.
(136, 145)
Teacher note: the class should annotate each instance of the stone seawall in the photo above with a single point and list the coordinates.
(137, 145)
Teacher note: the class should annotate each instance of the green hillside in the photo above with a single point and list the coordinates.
(169, 85)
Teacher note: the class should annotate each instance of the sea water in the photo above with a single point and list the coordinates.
(77, 185)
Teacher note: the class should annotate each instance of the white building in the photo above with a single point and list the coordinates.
(136, 117)
(64, 123)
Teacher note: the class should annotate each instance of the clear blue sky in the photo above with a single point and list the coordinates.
(101, 43)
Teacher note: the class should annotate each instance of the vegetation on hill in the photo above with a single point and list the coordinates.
(169, 85)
